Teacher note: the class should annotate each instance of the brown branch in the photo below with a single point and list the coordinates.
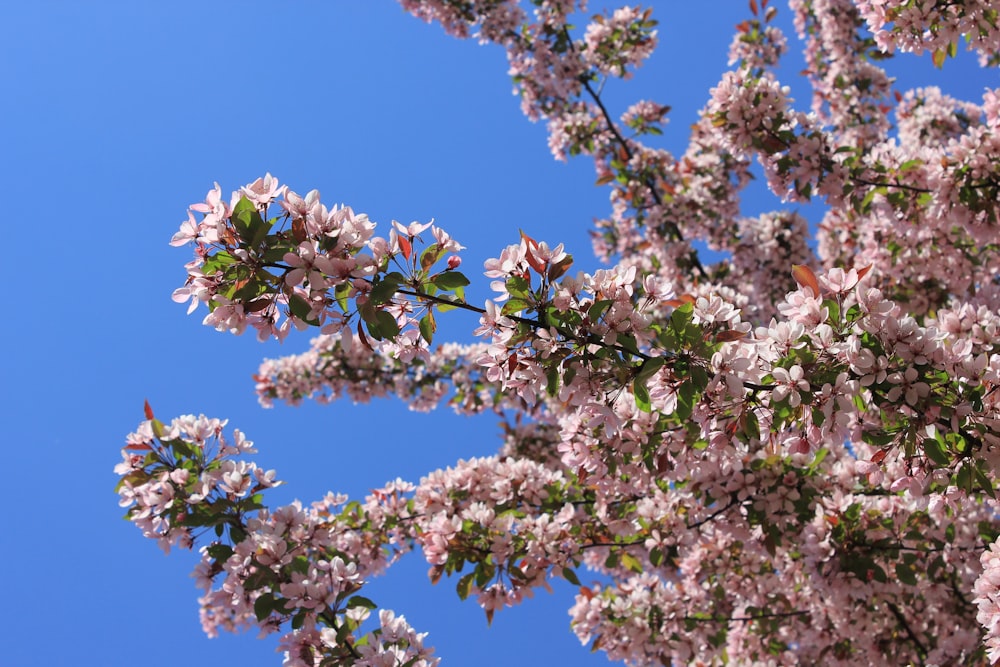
(901, 619)
(746, 619)
(591, 339)
(733, 501)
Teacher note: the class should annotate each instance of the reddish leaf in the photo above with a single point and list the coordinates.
(753, 7)
(532, 245)
(681, 300)
(663, 464)
(405, 247)
(880, 455)
(864, 272)
(139, 447)
(805, 277)
(258, 305)
(364, 338)
(773, 144)
(729, 336)
(533, 261)
(148, 410)
(557, 270)
(299, 230)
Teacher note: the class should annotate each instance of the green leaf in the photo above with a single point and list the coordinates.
(450, 280)
(484, 573)
(570, 576)
(383, 290)
(513, 306)
(833, 308)
(430, 255)
(631, 562)
(649, 368)
(217, 262)
(597, 309)
(249, 291)
(935, 452)
(685, 399)
(642, 400)
(552, 380)
(867, 201)
(250, 227)
(263, 606)
(301, 309)
(361, 601)
(220, 552)
(906, 574)
(627, 342)
(465, 585)
(340, 293)
(699, 377)
(963, 478)
(428, 326)
(984, 482)
(818, 459)
(387, 325)
(518, 287)
(681, 316)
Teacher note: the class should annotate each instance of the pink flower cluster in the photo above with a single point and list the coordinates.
(300, 268)
(173, 475)
(293, 564)
(934, 25)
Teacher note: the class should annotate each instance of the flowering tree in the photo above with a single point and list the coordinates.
(784, 456)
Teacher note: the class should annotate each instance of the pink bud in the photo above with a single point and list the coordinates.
(454, 262)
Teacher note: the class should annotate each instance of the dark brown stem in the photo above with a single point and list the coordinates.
(591, 339)
(746, 619)
(901, 619)
(733, 501)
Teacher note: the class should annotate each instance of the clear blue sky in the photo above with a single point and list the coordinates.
(116, 116)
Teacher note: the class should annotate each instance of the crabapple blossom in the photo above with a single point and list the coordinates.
(784, 455)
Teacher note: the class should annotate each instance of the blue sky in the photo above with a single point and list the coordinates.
(118, 115)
